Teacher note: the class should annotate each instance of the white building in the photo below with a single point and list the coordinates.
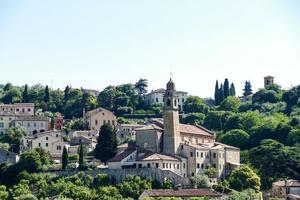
(156, 97)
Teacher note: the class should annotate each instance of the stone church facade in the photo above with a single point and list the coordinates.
(185, 150)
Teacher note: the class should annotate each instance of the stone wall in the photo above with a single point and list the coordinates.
(120, 174)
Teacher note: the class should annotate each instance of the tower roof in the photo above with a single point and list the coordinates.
(170, 85)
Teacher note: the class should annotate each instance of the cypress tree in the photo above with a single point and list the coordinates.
(106, 147)
(221, 93)
(65, 159)
(46, 94)
(217, 96)
(25, 98)
(226, 88)
(80, 155)
(66, 93)
(232, 90)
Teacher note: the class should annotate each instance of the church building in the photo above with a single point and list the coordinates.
(186, 150)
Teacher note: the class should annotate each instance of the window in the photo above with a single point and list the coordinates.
(46, 144)
(28, 124)
(56, 135)
(104, 121)
(201, 154)
(42, 124)
(34, 124)
(177, 166)
(202, 166)
(23, 110)
(58, 147)
(214, 155)
(28, 109)
(168, 102)
(156, 165)
(214, 165)
(1, 125)
(175, 102)
(164, 165)
(17, 109)
(191, 154)
(182, 100)
(39, 144)
(183, 165)
(148, 165)
(96, 122)
(198, 165)
(197, 154)
(46, 138)
(140, 165)
(174, 166)
(181, 147)
(193, 174)
(156, 100)
(170, 165)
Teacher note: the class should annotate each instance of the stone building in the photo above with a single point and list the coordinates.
(268, 80)
(289, 189)
(51, 142)
(32, 124)
(185, 150)
(99, 116)
(127, 131)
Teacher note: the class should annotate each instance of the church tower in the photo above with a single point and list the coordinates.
(171, 136)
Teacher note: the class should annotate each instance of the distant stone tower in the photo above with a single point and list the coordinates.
(171, 136)
(268, 80)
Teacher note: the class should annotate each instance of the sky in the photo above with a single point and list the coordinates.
(93, 44)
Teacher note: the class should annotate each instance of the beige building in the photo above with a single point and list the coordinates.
(268, 80)
(10, 112)
(51, 142)
(99, 116)
(185, 150)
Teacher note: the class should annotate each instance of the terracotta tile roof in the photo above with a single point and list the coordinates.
(182, 193)
(150, 127)
(188, 129)
(32, 118)
(191, 129)
(120, 156)
(157, 156)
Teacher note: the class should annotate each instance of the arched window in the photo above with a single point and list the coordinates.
(168, 102)
(175, 102)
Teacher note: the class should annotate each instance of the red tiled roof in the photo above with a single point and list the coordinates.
(119, 157)
(182, 193)
(191, 129)
(157, 156)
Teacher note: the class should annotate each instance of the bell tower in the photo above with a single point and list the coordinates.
(171, 138)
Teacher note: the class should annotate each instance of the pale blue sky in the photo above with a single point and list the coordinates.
(97, 43)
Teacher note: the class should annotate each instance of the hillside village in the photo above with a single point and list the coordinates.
(189, 147)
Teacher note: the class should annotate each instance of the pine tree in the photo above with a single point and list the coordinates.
(80, 155)
(25, 98)
(141, 86)
(226, 88)
(247, 88)
(46, 94)
(232, 90)
(65, 159)
(106, 147)
(217, 93)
